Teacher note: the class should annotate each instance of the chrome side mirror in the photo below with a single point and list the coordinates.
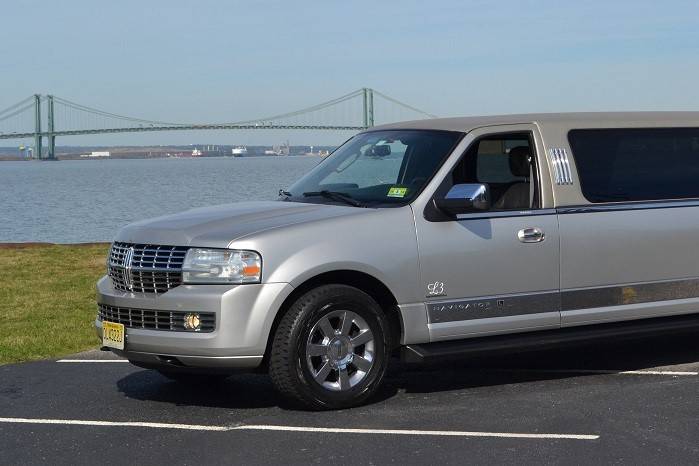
(465, 198)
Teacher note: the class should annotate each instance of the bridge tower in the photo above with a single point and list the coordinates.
(51, 136)
(37, 126)
(368, 107)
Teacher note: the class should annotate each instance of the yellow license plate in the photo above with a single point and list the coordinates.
(113, 335)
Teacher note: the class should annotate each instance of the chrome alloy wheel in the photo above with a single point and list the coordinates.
(340, 350)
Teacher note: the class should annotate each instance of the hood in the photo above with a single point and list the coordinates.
(217, 226)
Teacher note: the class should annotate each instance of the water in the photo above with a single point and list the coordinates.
(86, 201)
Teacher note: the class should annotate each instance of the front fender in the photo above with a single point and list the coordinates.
(380, 243)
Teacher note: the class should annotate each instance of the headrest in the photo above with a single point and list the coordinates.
(519, 161)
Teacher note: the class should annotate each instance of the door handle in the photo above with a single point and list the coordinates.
(531, 235)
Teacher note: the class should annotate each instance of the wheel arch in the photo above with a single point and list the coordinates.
(357, 279)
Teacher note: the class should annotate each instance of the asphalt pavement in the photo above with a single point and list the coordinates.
(631, 403)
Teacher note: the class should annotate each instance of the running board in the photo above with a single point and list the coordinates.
(549, 339)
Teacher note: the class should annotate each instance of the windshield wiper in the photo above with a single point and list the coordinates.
(336, 196)
(283, 192)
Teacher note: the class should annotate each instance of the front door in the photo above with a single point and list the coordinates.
(495, 271)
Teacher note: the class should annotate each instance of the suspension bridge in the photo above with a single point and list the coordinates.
(357, 110)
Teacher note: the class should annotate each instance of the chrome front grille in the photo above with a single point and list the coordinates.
(154, 320)
(146, 268)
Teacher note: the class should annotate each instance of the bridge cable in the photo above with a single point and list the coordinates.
(21, 102)
(17, 112)
(410, 107)
(314, 108)
(85, 108)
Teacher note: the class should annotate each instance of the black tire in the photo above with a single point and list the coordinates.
(290, 365)
(193, 378)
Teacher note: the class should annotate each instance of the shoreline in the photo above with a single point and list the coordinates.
(59, 158)
(117, 157)
(38, 244)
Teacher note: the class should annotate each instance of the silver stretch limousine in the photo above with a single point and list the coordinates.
(441, 238)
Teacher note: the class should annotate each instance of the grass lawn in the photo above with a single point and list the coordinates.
(47, 299)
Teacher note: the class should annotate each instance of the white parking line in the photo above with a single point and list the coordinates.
(659, 372)
(92, 360)
(77, 422)
(325, 430)
(602, 371)
(438, 433)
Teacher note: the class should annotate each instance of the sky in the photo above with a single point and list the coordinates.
(213, 61)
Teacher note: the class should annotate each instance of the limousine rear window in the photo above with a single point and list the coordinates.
(635, 164)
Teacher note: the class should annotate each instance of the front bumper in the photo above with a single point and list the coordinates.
(244, 317)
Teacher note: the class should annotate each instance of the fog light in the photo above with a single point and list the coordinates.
(192, 322)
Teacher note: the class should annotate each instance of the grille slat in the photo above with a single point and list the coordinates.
(153, 269)
(154, 320)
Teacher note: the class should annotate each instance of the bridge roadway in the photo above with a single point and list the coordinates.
(178, 128)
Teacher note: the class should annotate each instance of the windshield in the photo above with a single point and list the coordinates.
(376, 168)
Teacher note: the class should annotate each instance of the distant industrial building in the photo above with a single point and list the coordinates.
(96, 154)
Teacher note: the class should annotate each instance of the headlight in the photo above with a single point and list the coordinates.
(221, 266)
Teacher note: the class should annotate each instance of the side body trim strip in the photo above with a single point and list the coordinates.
(493, 306)
(629, 294)
(568, 300)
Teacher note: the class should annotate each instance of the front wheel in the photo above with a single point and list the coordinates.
(330, 349)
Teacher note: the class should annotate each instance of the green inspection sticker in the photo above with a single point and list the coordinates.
(397, 192)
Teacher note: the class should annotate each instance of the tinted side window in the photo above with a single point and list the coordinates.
(493, 163)
(637, 164)
(506, 163)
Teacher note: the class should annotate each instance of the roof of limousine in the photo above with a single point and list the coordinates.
(587, 119)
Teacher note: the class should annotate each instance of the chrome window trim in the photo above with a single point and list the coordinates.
(505, 214)
(631, 205)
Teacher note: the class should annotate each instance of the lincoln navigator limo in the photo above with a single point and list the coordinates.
(429, 239)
